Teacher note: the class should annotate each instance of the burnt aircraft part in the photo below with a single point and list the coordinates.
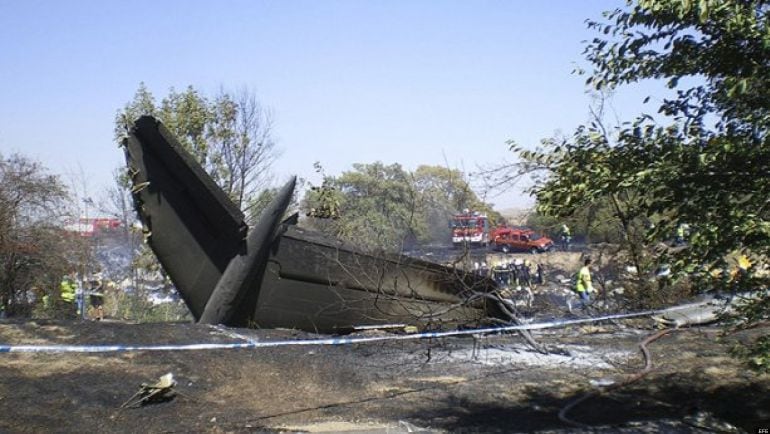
(244, 272)
(323, 284)
(280, 275)
(195, 230)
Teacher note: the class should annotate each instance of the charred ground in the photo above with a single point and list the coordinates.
(490, 384)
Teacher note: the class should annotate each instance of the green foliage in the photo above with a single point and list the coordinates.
(449, 188)
(708, 164)
(34, 250)
(264, 198)
(377, 205)
(136, 307)
(385, 206)
(229, 135)
(187, 114)
(757, 355)
(260, 202)
(443, 192)
(595, 222)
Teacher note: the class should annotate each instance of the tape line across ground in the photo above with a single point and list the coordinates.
(251, 343)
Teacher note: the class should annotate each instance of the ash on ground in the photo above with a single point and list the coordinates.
(462, 384)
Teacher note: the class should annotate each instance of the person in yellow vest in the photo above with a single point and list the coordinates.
(741, 277)
(744, 264)
(67, 289)
(682, 232)
(583, 285)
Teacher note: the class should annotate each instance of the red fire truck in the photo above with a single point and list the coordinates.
(470, 228)
(89, 227)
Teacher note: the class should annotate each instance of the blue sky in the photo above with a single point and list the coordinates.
(413, 82)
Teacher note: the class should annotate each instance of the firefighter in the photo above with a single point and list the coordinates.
(525, 274)
(540, 278)
(583, 284)
(741, 269)
(682, 231)
(515, 275)
(663, 276)
(96, 297)
(566, 236)
(738, 276)
(509, 273)
(501, 273)
(484, 270)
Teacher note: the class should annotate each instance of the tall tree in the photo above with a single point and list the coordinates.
(188, 114)
(241, 139)
(706, 161)
(229, 135)
(33, 248)
(444, 192)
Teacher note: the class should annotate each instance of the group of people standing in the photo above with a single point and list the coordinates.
(521, 273)
(517, 273)
(512, 273)
(73, 293)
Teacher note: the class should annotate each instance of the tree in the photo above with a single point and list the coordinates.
(33, 246)
(378, 206)
(443, 193)
(385, 206)
(594, 223)
(143, 103)
(705, 162)
(243, 148)
(188, 114)
(229, 135)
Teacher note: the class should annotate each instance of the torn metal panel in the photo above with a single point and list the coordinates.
(231, 297)
(712, 309)
(278, 275)
(192, 227)
(329, 285)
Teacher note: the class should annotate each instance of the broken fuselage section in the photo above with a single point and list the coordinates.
(276, 274)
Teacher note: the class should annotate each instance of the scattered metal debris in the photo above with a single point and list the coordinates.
(704, 313)
(160, 391)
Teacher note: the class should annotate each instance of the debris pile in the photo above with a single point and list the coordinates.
(160, 391)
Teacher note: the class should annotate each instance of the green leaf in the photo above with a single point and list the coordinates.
(703, 7)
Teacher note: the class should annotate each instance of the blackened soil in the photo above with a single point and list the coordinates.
(441, 384)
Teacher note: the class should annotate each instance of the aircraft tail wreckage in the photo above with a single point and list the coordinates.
(276, 274)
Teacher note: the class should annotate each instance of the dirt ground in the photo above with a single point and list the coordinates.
(461, 384)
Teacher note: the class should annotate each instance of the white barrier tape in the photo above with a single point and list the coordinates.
(250, 343)
(232, 333)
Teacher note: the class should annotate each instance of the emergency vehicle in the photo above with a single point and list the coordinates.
(89, 227)
(508, 239)
(470, 228)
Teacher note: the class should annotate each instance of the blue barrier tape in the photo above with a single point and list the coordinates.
(250, 343)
